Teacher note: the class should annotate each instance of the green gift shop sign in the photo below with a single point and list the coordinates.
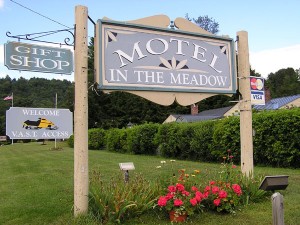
(38, 58)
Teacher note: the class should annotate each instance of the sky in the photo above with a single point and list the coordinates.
(272, 25)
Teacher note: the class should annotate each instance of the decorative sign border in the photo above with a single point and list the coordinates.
(135, 57)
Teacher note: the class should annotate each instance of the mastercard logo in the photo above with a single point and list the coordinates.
(256, 84)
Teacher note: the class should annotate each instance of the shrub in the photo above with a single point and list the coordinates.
(202, 141)
(277, 140)
(96, 138)
(141, 139)
(70, 141)
(116, 140)
(226, 136)
(168, 139)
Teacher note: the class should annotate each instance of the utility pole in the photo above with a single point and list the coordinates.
(81, 170)
(245, 104)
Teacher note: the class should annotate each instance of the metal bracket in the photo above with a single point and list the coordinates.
(35, 36)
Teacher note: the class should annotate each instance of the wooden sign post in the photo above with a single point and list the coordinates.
(81, 170)
(245, 104)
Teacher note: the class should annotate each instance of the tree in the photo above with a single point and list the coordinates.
(284, 82)
(254, 73)
(206, 23)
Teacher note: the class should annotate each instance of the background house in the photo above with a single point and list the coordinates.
(271, 104)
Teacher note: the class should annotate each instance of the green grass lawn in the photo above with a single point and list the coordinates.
(37, 187)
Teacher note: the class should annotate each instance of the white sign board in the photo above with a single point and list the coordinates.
(126, 166)
(132, 57)
(257, 91)
(39, 123)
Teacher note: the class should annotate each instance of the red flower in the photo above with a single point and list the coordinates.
(217, 202)
(212, 182)
(207, 189)
(237, 189)
(194, 188)
(172, 188)
(162, 201)
(222, 194)
(169, 196)
(205, 194)
(215, 189)
(199, 196)
(179, 187)
(233, 166)
(178, 202)
(193, 201)
(185, 193)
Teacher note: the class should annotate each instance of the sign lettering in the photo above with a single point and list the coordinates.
(38, 123)
(137, 58)
(36, 58)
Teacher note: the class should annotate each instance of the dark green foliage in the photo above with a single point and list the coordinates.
(116, 140)
(141, 139)
(226, 136)
(167, 138)
(284, 82)
(71, 141)
(202, 142)
(277, 139)
(96, 138)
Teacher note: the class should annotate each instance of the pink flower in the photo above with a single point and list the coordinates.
(199, 196)
(162, 201)
(233, 166)
(193, 201)
(198, 193)
(178, 202)
(172, 188)
(217, 202)
(212, 182)
(205, 194)
(194, 188)
(207, 189)
(222, 194)
(215, 189)
(237, 189)
(169, 196)
(231, 156)
(185, 193)
(179, 187)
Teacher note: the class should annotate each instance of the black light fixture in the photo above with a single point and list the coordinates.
(272, 183)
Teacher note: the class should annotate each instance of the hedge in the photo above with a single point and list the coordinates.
(96, 139)
(141, 139)
(277, 138)
(276, 141)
